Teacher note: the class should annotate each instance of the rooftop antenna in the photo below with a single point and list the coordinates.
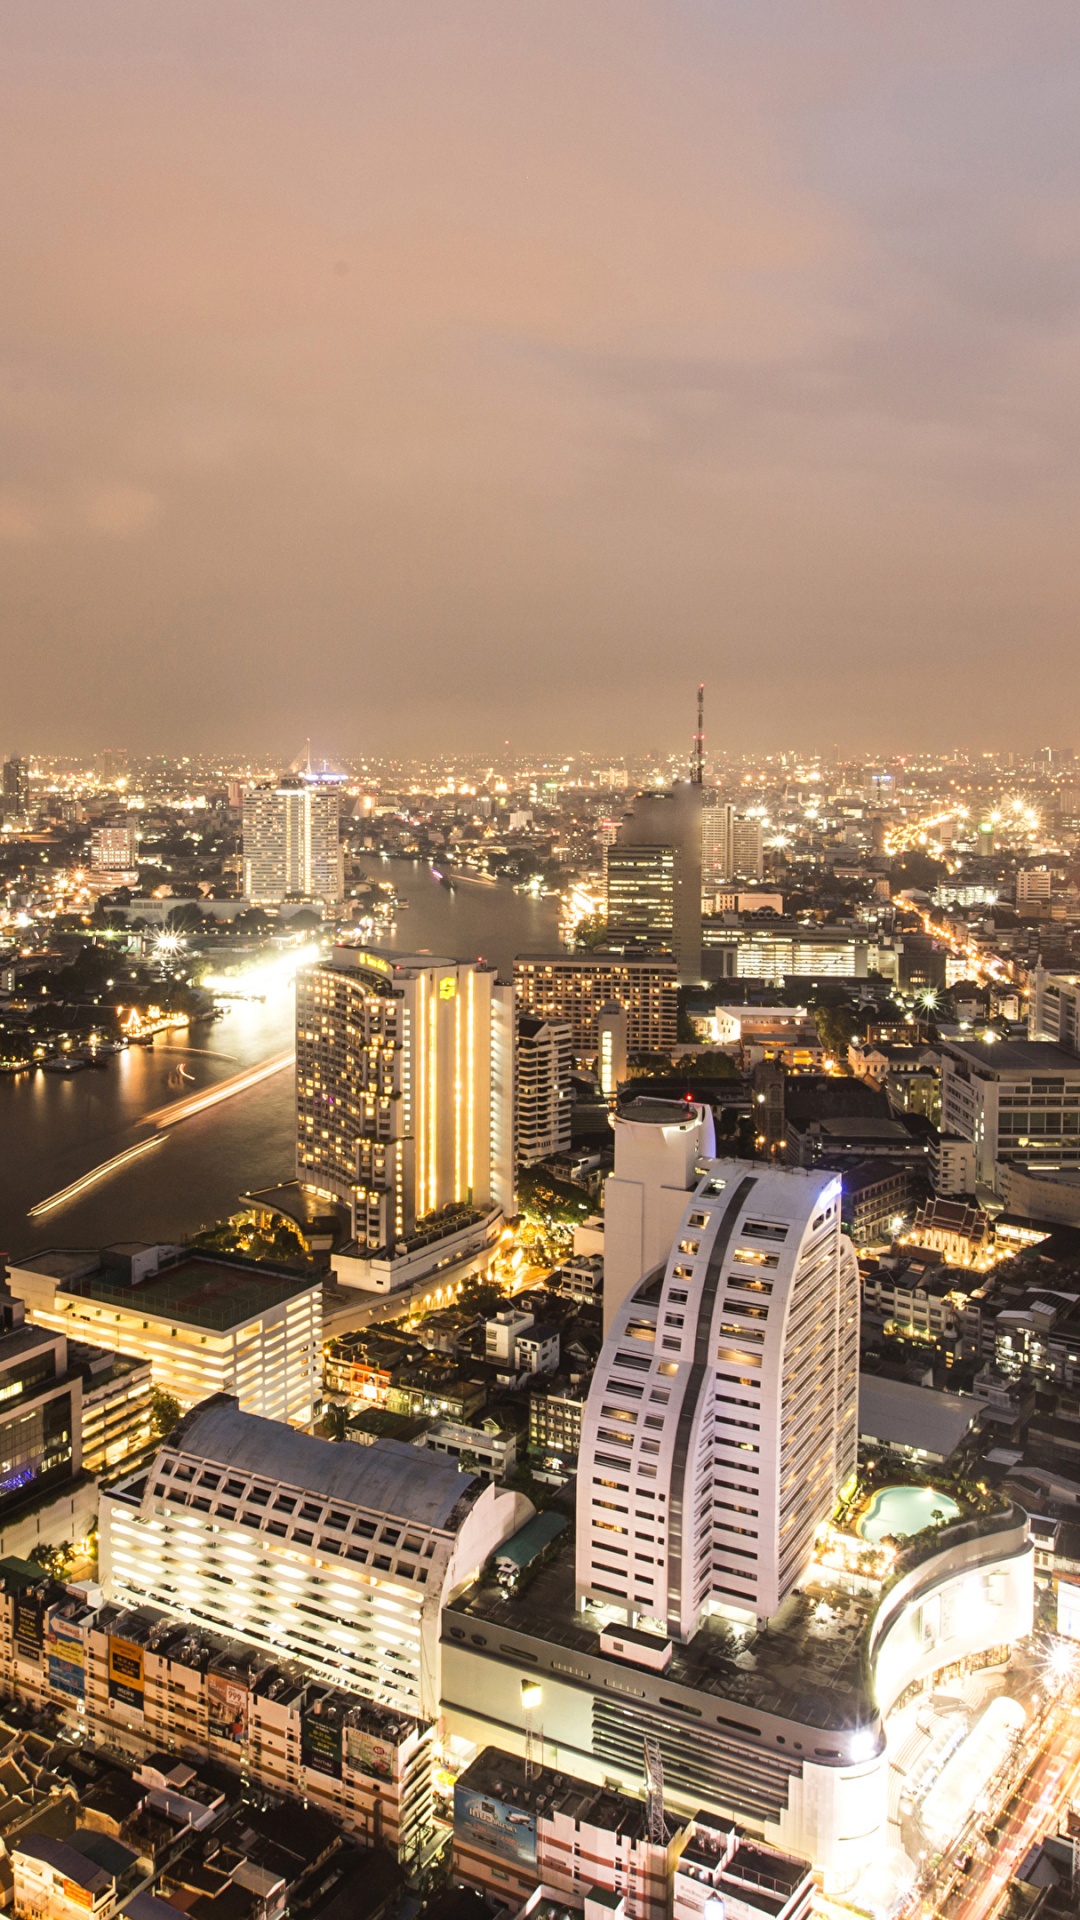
(698, 774)
(654, 1791)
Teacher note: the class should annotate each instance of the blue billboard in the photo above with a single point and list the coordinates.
(492, 1826)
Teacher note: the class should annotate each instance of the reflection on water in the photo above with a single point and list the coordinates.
(54, 1129)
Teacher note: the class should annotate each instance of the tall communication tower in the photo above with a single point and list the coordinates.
(654, 1793)
(698, 775)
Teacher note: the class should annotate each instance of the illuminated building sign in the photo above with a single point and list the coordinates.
(67, 1659)
(127, 1685)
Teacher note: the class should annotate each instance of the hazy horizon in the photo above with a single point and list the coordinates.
(421, 379)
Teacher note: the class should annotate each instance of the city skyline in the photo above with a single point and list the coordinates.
(558, 362)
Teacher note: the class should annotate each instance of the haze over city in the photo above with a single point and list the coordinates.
(539, 961)
(422, 377)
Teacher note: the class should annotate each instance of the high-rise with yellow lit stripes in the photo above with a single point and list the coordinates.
(405, 1095)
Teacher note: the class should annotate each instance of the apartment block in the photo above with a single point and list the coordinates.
(578, 987)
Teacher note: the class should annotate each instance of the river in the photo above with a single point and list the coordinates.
(55, 1130)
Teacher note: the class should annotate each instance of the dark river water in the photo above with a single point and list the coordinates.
(54, 1130)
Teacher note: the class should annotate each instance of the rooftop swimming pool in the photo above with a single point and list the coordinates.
(903, 1511)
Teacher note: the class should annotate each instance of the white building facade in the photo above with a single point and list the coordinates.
(292, 843)
(658, 1145)
(722, 1418)
(338, 1557)
(542, 1106)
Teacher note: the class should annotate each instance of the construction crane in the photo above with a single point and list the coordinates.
(654, 1793)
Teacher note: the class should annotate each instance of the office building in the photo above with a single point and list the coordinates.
(338, 1557)
(1034, 886)
(206, 1323)
(542, 1105)
(1014, 1100)
(747, 840)
(658, 1146)
(69, 1411)
(114, 848)
(721, 1421)
(653, 876)
(16, 790)
(776, 950)
(640, 894)
(717, 824)
(405, 1107)
(292, 842)
(579, 987)
(731, 844)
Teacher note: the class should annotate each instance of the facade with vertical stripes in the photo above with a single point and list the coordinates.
(722, 1417)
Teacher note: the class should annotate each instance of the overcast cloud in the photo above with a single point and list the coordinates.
(425, 373)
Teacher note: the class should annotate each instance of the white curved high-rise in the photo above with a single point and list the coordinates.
(722, 1417)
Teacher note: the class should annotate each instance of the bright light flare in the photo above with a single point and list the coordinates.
(265, 976)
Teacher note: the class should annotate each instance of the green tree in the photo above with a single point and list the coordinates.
(165, 1411)
(590, 933)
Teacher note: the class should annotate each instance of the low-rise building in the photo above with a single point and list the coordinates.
(918, 1297)
(65, 1879)
(206, 1323)
(154, 1687)
(919, 1423)
(724, 1872)
(517, 1829)
(581, 1280)
(877, 1197)
(555, 1416)
(485, 1450)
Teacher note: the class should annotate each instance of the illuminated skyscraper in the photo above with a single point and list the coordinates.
(654, 876)
(292, 842)
(721, 1421)
(16, 791)
(405, 1101)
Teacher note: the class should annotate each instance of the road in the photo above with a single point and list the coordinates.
(1048, 1788)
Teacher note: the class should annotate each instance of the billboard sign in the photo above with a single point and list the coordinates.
(227, 1708)
(67, 1659)
(368, 1754)
(29, 1627)
(320, 1744)
(127, 1685)
(493, 1827)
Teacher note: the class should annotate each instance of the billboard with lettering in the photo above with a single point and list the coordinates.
(127, 1686)
(67, 1659)
(227, 1708)
(493, 1826)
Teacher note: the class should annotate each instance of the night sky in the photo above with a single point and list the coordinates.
(421, 374)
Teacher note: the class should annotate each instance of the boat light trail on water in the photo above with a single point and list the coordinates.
(95, 1174)
(164, 1118)
(178, 1110)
